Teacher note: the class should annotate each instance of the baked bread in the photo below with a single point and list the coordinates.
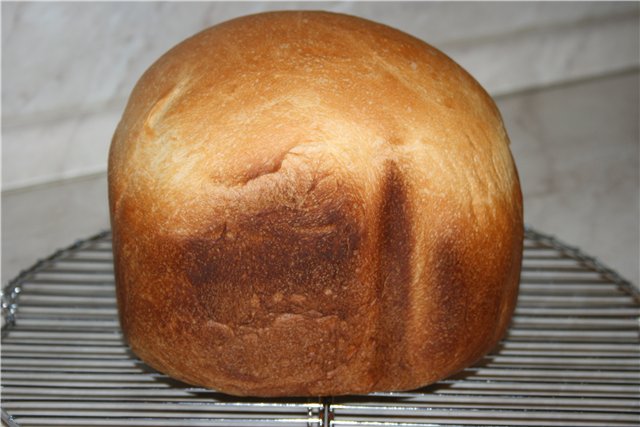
(308, 203)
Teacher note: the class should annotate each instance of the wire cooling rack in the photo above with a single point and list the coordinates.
(571, 357)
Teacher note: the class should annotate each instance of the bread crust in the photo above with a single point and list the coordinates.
(308, 203)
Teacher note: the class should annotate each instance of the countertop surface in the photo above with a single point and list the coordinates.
(576, 146)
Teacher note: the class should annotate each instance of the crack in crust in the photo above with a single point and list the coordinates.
(394, 273)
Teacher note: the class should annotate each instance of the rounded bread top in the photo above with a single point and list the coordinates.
(245, 99)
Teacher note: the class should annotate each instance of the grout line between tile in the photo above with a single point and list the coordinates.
(635, 69)
(60, 181)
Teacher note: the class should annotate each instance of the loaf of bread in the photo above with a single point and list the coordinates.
(308, 203)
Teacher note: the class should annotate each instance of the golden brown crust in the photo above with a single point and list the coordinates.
(306, 203)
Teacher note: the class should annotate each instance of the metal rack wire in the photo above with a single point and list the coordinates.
(571, 357)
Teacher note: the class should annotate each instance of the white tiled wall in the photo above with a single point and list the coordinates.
(66, 56)
(69, 67)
